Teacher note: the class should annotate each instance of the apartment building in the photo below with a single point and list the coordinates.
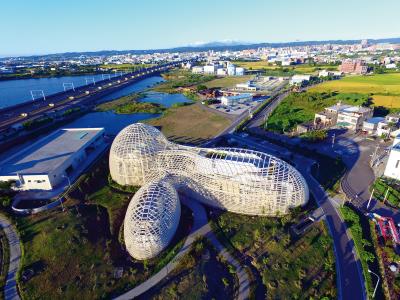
(354, 67)
(351, 117)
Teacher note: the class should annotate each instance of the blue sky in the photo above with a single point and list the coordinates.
(49, 26)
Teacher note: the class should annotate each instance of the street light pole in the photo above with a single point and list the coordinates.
(370, 198)
(376, 286)
(386, 194)
(373, 156)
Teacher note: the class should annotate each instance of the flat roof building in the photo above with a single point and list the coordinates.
(392, 169)
(46, 163)
(371, 124)
(353, 66)
(351, 117)
(299, 79)
(232, 100)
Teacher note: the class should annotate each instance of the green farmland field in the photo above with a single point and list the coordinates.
(384, 88)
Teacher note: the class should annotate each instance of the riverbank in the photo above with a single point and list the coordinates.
(130, 104)
(178, 81)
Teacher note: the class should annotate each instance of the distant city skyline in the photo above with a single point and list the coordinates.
(44, 26)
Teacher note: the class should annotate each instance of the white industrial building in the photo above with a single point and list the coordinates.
(232, 100)
(325, 73)
(47, 163)
(197, 70)
(210, 69)
(392, 169)
(221, 72)
(239, 71)
(221, 69)
(248, 86)
(231, 70)
(299, 79)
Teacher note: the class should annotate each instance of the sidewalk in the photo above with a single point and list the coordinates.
(10, 289)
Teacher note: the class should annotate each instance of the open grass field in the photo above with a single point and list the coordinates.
(289, 268)
(227, 82)
(375, 84)
(301, 107)
(78, 253)
(383, 88)
(300, 69)
(386, 101)
(200, 275)
(190, 124)
(179, 78)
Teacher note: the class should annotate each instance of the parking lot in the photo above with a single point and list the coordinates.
(239, 108)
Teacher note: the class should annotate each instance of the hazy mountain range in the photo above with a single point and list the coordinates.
(216, 46)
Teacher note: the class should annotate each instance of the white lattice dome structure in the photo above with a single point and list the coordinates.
(132, 152)
(238, 180)
(151, 219)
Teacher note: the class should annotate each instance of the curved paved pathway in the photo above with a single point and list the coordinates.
(200, 228)
(10, 289)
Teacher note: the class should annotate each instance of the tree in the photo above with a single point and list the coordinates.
(5, 200)
(367, 256)
(201, 87)
(225, 281)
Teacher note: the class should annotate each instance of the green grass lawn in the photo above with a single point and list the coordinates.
(202, 274)
(74, 254)
(382, 185)
(4, 261)
(190, 124)
(290, 268)
(383, 88)
(179, 78)
(360, 231)
(129, 104)
(301, 107)
(293, 69)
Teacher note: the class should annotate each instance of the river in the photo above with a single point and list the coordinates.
(112, 122)
(18, 91)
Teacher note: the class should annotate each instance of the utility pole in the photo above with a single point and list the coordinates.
(373, 156)
(370, 198)
(386, 194)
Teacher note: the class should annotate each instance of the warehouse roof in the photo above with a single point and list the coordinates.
(49, 152)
